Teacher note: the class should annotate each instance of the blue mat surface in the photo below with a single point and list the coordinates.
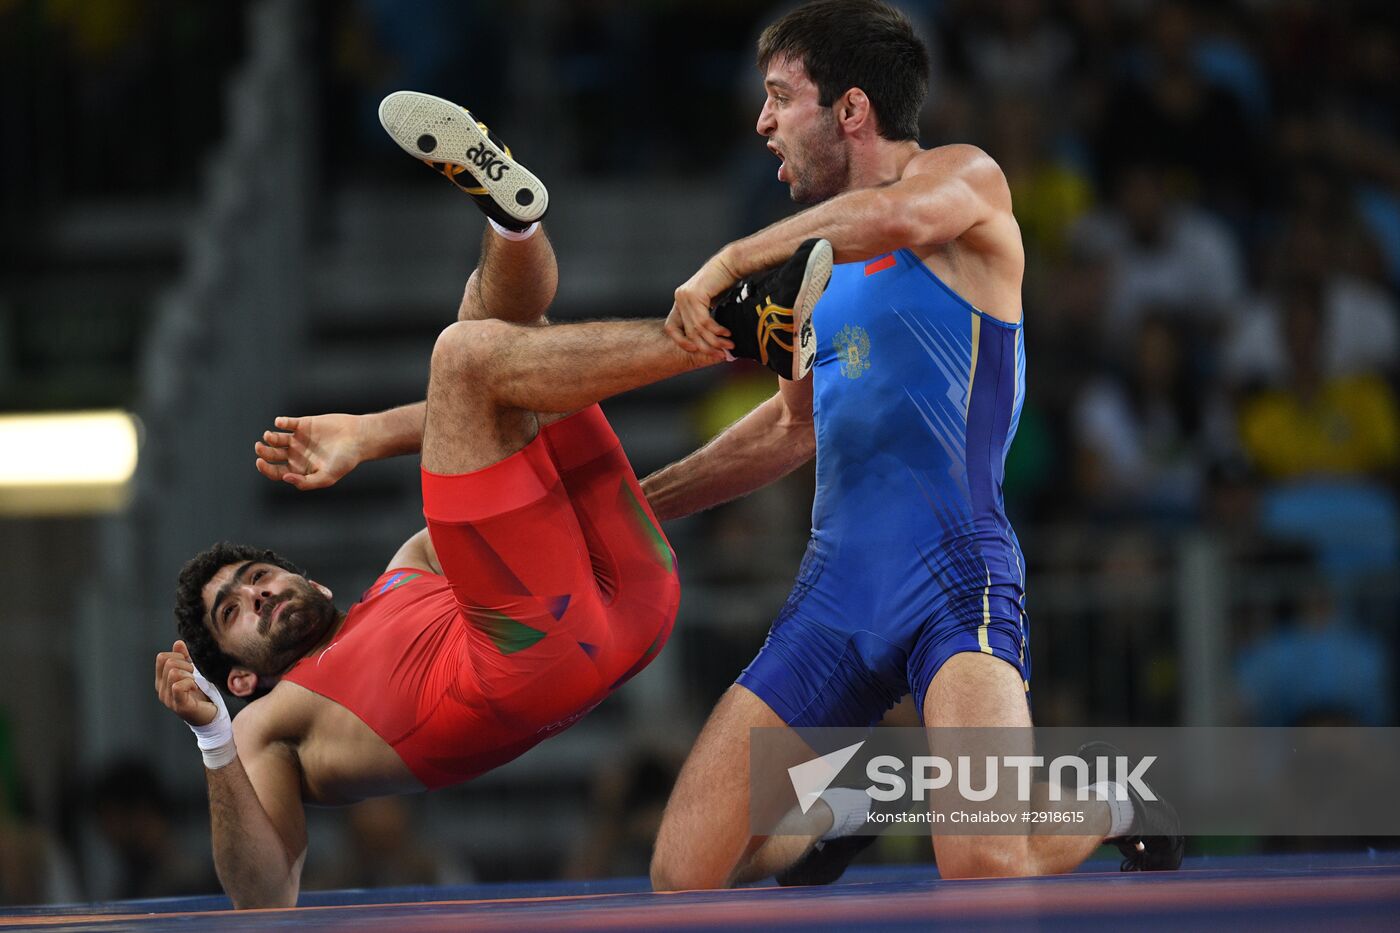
(1282, 892)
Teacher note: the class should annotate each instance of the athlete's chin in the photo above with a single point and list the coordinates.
(806, 193)
(301, 629)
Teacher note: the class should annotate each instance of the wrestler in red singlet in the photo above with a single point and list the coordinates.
(558, 585)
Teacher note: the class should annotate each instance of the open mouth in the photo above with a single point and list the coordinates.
(782, 168)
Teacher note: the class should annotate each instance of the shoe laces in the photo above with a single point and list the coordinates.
(1134, 859)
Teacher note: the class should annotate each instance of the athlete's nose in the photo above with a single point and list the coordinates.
(256, 596)
(766, 122)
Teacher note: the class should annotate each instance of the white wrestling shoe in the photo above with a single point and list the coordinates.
(449, 139)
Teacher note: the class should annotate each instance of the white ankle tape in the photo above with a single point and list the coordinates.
(514, 235)
(1120, 806)
(850, 808)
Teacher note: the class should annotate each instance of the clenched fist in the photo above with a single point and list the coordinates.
(179, 690)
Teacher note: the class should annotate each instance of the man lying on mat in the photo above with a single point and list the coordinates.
(541, 583)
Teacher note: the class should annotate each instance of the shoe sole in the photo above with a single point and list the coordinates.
(435, 130)
(814, 280)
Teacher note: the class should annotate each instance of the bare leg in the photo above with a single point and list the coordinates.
(780, 852)
(495, 378)
(974, 690)
(704, 841)
(489, 378)
(801, 831)
(515, 280)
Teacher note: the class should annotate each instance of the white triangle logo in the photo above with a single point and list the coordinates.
(810, 778)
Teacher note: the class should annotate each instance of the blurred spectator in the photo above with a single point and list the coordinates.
(1316, 423)
(1167, 110)
(1050, 193)
(1162, 253)
(1142, 439)
(1315, 664)
(136, 818)
(1352, 528)
(1017, 49)
(382, 849)
(1323, 240)
(1224, 55)
(1360, 320)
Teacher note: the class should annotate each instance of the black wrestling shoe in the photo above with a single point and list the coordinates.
(1154, 842)
(449, 139)
(763, 312)
(824, 862)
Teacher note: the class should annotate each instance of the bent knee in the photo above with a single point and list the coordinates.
(992, 860)
(469, 348)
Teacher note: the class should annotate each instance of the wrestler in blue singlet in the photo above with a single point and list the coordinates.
(911, 560)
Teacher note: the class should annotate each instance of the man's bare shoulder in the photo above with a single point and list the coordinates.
(966, 162)
(285, 714)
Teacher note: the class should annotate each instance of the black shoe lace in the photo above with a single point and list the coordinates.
(1134, 856)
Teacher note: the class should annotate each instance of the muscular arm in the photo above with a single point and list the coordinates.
(255, 810)
(765, 445)
(943, 194)
(258, 824)
(952, 193)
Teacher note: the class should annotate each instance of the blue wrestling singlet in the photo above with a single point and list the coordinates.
(911, 559)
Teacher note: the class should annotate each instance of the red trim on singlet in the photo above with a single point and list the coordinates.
(880, 265)
(505, 486)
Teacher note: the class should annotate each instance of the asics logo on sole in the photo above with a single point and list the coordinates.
(487, 161)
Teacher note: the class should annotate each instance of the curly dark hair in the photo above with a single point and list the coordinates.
(190, 613)
(856, 43)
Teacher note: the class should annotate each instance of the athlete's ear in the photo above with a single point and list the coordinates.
(242, 682)
(853, 109)
(325, 590)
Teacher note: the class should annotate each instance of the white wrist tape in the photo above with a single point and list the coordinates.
(215, 738)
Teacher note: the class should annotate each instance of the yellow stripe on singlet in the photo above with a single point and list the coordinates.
(972, 367)
(986, 615)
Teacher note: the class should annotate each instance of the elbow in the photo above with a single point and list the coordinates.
(799, 436)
